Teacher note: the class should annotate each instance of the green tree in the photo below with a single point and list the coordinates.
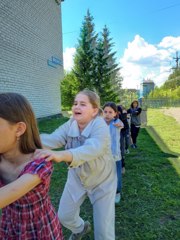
(102, 82)
(84, 60)
(115, 76)
(95, 65)
(170, 89)
(69, 88)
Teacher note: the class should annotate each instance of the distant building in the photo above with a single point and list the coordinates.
(146, 87)
(31, 55)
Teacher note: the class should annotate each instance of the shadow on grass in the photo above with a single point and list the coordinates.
(174, 157)
(152, 132)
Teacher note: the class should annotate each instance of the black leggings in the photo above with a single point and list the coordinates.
(134, 133)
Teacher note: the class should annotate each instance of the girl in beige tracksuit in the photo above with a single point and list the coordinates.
(92, 170)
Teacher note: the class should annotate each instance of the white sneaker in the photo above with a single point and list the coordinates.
(127, 151)
(118, 198)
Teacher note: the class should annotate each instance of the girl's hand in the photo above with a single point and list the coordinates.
(56, 156)
(49, 155)
(118, 125)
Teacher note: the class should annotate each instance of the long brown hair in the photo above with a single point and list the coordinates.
(15, 108)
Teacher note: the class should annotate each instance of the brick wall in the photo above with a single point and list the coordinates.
(30, 35)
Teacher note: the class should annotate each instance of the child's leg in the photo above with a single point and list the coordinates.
(69, 210)
(127, 139)
(122, 143)
(133, 133)
(104, 215)
(119, 175)
(136, 134)
(73, 196)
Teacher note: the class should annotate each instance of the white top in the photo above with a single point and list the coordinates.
(93, 162)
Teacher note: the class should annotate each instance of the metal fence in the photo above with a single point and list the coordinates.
(146, 103)
(159, 103)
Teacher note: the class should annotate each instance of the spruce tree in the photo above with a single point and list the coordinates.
(115, 76)
(84, 65)
(102, 83)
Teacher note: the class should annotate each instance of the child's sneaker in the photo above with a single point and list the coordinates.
(78, 236)
(118, 198)
(127, 151)
(123, 170)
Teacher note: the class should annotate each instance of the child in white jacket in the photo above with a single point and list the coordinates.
(91, 168)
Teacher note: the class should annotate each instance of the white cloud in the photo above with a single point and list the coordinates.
(170, 42)
(142, 60)
(68, 58)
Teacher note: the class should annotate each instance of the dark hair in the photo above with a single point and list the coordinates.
(134, 102)
(113, 106)
(15, 108)
(119, 108)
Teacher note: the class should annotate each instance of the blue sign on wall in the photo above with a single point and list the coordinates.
(53, 62)
(57, 61)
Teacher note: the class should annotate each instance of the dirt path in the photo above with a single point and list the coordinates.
(173, 112)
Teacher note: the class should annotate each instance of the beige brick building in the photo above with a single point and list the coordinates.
(31, 55)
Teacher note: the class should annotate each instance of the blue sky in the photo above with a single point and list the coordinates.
(146, 34)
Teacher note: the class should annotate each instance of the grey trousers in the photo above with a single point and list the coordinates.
(103, 202)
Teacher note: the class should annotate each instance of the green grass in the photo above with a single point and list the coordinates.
(48, 125)
(167, 128)
(150, 205)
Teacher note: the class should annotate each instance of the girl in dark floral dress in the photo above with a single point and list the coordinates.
(27, 212)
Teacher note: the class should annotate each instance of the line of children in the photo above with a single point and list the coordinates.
(27, 212)
(110, 114)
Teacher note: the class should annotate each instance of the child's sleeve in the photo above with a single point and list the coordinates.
(40, 167)
(57, 138)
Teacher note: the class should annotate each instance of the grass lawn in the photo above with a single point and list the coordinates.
(150, 205)
(165, 130)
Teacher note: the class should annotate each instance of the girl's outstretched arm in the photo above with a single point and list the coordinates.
(119, 124)
(18, 188)
(56, 156)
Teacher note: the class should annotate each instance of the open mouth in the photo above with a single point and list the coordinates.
(77, 113)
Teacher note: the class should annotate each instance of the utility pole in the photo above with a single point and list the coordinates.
(177, 58)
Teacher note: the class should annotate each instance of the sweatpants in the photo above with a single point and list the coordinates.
(103, 201)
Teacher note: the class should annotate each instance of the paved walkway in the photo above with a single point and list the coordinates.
(173, 112)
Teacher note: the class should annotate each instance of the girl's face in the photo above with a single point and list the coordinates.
(135, 104)
(109, 114)
(83, 111)
(8, 139)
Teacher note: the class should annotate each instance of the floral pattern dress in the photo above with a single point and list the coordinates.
(32, 217)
